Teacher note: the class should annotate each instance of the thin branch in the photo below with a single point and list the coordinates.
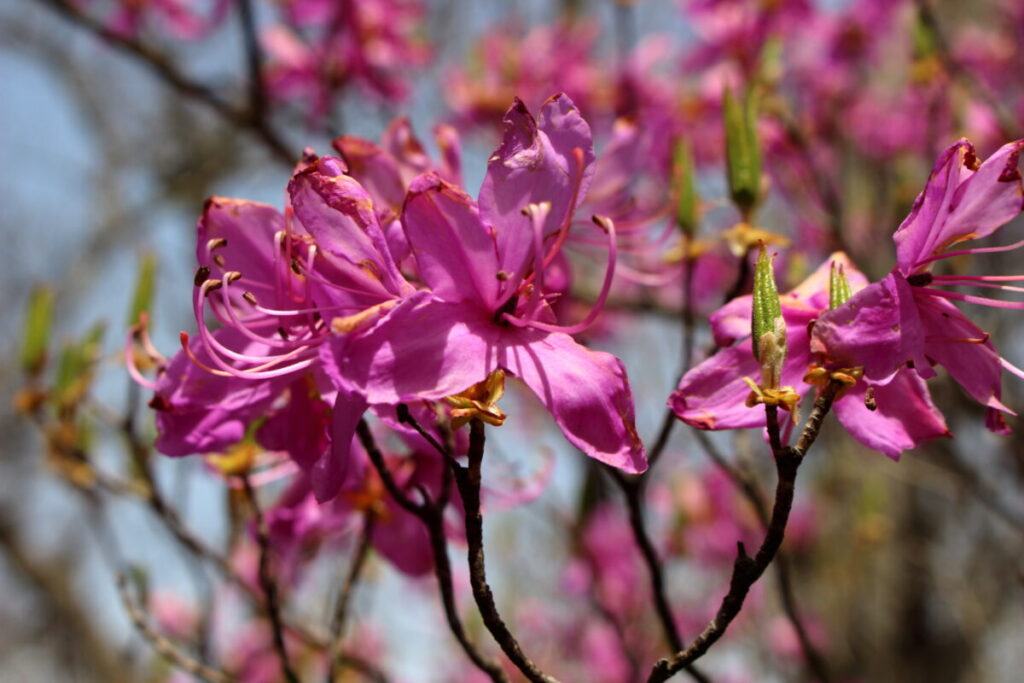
(633, 491)
(161, 66)
(162, 643)
(341, 607)
(747, 570)
(268, 583)
(431, 513)
(468, 480)
(253, 61)
(752, 492)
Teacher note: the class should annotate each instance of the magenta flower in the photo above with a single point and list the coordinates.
(905, 321)
(273, 282)
(713, 394)
(485, 266)
(325, 47)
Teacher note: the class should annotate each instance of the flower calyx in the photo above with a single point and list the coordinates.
(480, 402)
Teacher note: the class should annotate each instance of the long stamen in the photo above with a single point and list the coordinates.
(965, 252)
(129, 358)
(215, 347)
(609, 227)
(563, 230)
(976, 283)
(980, 278)
(958, 340)
(244, 327)
(1010, 367)
(971, 299)
(253, 373)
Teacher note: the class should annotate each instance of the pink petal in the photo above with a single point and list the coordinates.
(340, 468)
(535, 164)
(428, 349)
(959, 204)
(905, 415)
(975, 366)
(248, 228)
(713, 395)
(879, 329)
(455, 251)
(586, 391)
(339, 214)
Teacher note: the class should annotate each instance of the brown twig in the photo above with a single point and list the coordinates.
(431, 513)
(341, 607)
(162, 643)
(633, 491)
(268, 584)
(755, 497)
(160, 65)
(468, 479)
(747, 570)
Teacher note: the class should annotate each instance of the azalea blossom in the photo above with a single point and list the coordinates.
(890, 417)
(485, 267)
(906, 320)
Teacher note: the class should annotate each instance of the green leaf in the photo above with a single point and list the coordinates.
(36, 334)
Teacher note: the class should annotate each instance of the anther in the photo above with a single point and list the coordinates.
(250, 297)
(216, 243)
(201, 274)
(920, 279)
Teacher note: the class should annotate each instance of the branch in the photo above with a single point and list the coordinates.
(746, 570)
(341, 607)
(163, 644)
(161, 66)
(468, 480)
(752, 492)
(431, 513)
(268, 584)
(633, 490)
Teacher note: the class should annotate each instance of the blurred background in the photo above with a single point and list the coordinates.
(119, 118)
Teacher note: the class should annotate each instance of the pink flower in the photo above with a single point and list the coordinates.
(712, 395)
(905, 321)
(488, 310)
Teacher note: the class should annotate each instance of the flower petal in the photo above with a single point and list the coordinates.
(428, 349)
(963, 348)
(455, 251)
(534, 164)
(904, 415)
(959, 203)
(878, 328)
(586, 391)
(339, 213)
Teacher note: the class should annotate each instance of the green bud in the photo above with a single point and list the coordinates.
(772, 63)
(922, 39)
(684, 179)
(144, 285)
(839, 291)
(74, 370)
(768, 325)
(36, 334)
(743, 151)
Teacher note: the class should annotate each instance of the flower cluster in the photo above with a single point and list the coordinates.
(378, 296)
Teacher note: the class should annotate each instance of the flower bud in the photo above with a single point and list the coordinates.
(743, 151)
(768, 325)
(839, 291)
(143, 298)
(36, 333)
(684, 180)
